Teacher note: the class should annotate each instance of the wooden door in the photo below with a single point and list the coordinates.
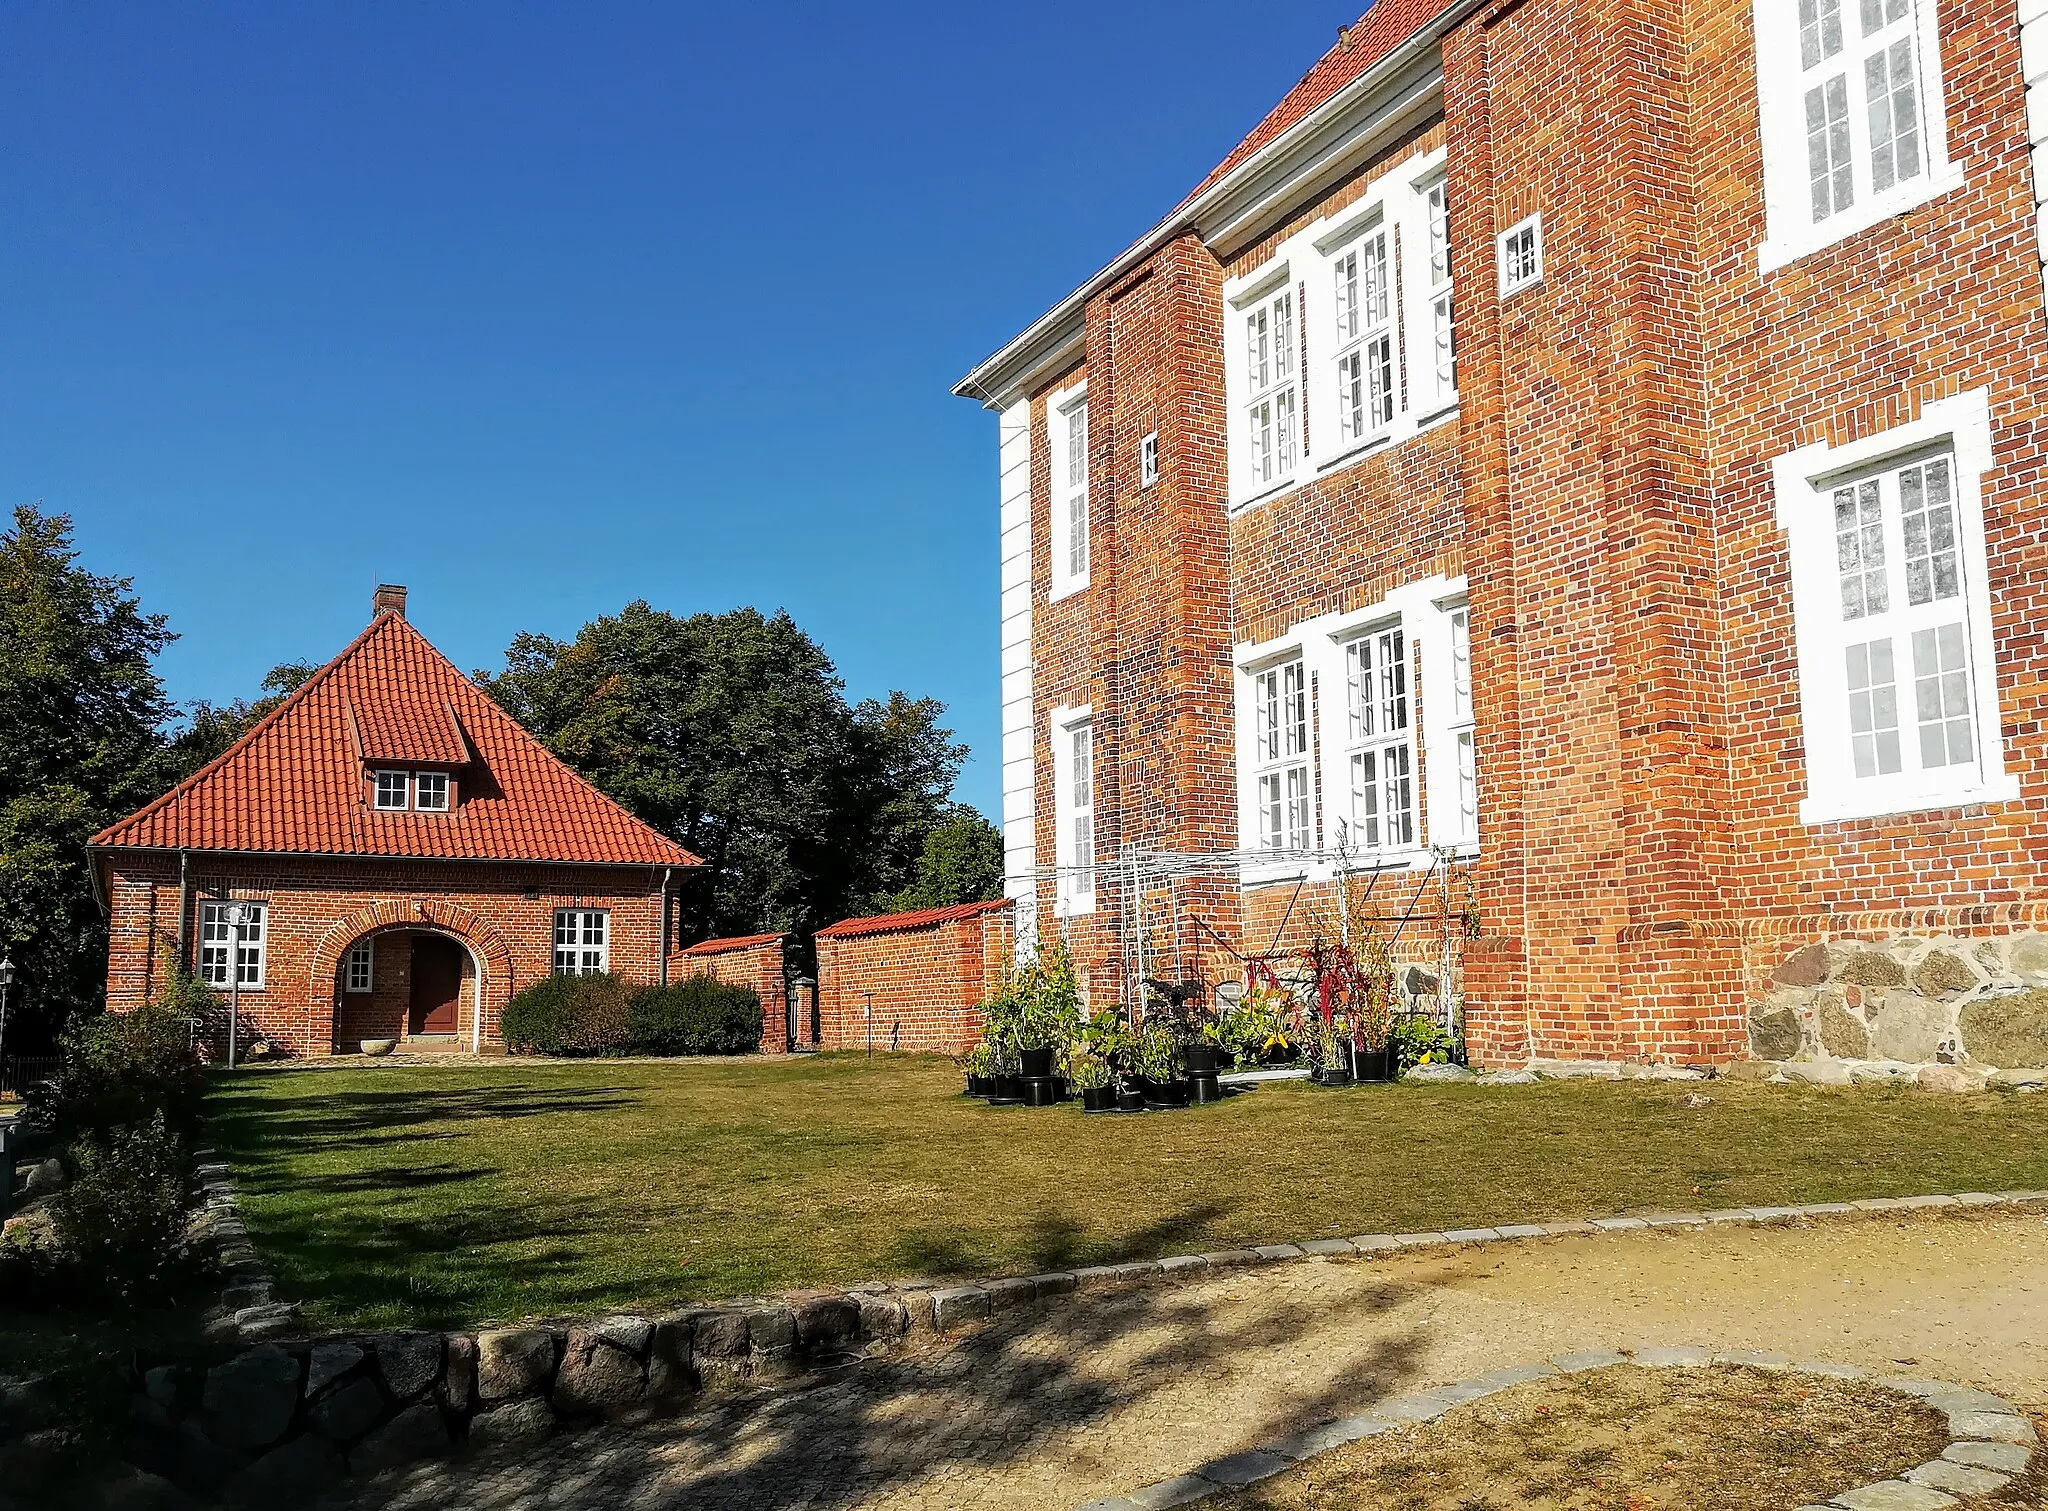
(436, 984)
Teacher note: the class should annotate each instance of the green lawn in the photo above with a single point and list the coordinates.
(447, 1196)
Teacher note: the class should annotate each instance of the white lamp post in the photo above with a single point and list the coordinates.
(6, 981)
(237, 915)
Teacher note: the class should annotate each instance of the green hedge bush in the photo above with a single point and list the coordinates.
(576, 1016)
(699, 1015)
(570, 1015)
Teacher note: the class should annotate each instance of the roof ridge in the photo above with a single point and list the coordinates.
(295, 696)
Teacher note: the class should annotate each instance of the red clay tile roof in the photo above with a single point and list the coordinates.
(727, 946)
(294, 784)
(1382, 29)
(891, 923)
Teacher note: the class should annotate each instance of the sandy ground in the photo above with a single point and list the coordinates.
(1072, 1403)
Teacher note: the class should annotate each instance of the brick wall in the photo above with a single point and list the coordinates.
(758, 961)
(1606, 490)
(503, 914)
(924, 978)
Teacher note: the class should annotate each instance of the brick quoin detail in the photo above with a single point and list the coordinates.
(1605, 490)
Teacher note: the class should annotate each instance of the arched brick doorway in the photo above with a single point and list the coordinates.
(411, 982)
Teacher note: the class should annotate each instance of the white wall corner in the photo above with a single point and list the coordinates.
(1018, 775)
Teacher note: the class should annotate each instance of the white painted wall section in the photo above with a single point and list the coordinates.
(1019, 773)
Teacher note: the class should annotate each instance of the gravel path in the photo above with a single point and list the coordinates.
(1112, 1392)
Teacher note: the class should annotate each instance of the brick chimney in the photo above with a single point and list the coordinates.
(388, 599)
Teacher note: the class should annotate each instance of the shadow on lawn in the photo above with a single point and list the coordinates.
(1003, 1397)
(249, 1122)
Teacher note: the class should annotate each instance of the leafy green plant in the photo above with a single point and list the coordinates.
(980, 1060)
(123, 1069)
(699, 1015)
(121, 1218)
(1155, 1053)
(1422, 1041)
(1106, 1037)
(1258, 1025)
(570, 1015)
(1088, 1072)
(1037, 1006)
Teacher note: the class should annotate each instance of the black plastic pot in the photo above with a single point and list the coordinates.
(1332, 1075)
(1201, 1059)
(1010, 1088)
(1163, 1094)
(1100, 1099)
(1130, 1096)
(1042, 1091)
(981, 1086)
(1373, 1064)
(1037, 1063)
(1204, 1089)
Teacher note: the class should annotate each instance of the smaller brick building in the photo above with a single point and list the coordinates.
(387, 855)
(911, 981)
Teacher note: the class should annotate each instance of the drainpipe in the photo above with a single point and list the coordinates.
(667, 873)
(185, 911)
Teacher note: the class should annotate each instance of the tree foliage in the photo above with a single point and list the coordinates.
(731, 733)
(962, 861)
(210, 728)
(81, 715)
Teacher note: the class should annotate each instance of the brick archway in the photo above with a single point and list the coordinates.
(492, 955)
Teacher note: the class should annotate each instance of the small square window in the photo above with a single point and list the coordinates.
(359, 965)
(430, 792)
(393, 789)
(1521, 256)
(1148, 460)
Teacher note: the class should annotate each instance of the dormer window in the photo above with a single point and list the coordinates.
(417, 791)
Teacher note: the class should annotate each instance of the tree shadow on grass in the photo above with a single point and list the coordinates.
(247, 1121)
(1056, 1242)
(1041, 1393)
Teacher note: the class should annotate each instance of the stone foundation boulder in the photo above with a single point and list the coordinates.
(2009, 1032)
(1775, 1033)
(1907, 1027)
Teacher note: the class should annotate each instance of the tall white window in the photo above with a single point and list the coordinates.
(1272, 416)
(1379, 756)
(1067, 430)
(1283, 789)
(1898, 686)
(1852, 102)
(1463, 728)
(582, 941)
(1073, 738)
(1441, 336)
(223, 938)
(359, 966)
(1366, 356)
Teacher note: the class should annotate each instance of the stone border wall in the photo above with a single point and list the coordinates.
(284, 1419)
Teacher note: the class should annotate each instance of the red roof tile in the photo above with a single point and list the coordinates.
(294, 784)
(727, 946)
(891, 923)
(1382, 29)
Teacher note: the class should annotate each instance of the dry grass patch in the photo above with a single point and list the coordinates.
(1626, 1439)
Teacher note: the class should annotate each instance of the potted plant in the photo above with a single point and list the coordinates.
(1327, 1045)
(1373, 1006)
(1090, 1076)
(980, 1064)
(1155, 1067)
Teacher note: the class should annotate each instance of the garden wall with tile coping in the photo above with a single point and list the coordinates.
(286, 1417)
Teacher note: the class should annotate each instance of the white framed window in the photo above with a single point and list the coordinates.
(1365, 348)
(1438, 363)
(430, 791)
(1066, 421)
(582, 941)
(232, 930)
(1283, 791)
(1891, 606)
(1852, 117)
(1265, 383)
(1521, 256)
(1073, 766)
(359, 967)
(394, 789)
(1148, 460)
(1379, 743)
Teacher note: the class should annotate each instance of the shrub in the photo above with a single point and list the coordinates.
(699, 1015)
(570, 1015)
(1422, 1041)
(121, 1219)
(121, 1070)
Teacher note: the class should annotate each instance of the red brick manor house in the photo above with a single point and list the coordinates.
(388, 855)
(1597, 446)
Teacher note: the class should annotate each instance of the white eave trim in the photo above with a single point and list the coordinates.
(1305, 159)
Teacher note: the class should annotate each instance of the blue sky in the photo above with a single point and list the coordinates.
(539, 309)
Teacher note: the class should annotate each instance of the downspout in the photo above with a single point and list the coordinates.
(184, 911)
(667, 874)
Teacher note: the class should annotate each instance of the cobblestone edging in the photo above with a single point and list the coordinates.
(1990, 1441)
(248, 1308)
(288, 1417)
